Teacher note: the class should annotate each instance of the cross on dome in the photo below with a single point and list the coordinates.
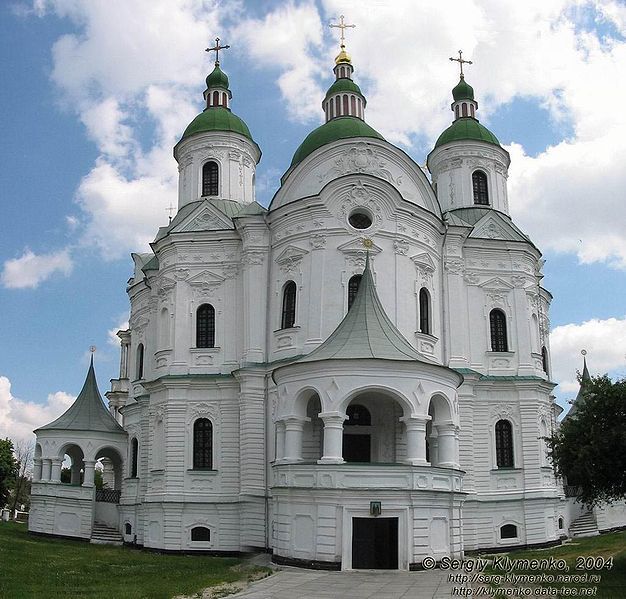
(461, 62)
(342, 27)
(217, 49)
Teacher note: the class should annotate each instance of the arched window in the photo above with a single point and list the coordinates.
(134, 454)
(345, 105)
(202, 444)
(128, 529)
(479, 186)
(424, 298)
(210, 179)
(508, 531)
(464, 109)
(560, 523)
(504, 444)
(544, 359)
(200, 533)
(288, 318)
(337, 106)
(216, 98)
(140, 361)
(205, 326)
(353, 105)
(353, 287)
(497, 325)
(358, 415)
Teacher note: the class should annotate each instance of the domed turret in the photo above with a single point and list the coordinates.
(343, 105)
(205, 170)
(460, 178)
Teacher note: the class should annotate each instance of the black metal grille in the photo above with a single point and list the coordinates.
(497, 324)
(210, 179)
(353, 288)
(479, 185)
(134, 450)
(288, 318)
(108, 495)
(203, 444)
(424, 311)
(205, 326)
(504, 444)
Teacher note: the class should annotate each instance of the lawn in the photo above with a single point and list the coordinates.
(612, 584)
(43, 567)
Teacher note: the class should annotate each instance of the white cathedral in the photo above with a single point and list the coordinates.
(357, 376)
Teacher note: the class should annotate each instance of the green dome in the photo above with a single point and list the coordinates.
(217, 78)
(217, 118)
(463, 91)
(339, 128)
(466, 128)
(343, 85)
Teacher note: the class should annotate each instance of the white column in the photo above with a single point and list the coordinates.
(89, 473)
(55, 470)
(37, 467)
(416, 439)
(433, 447)
(280, 440)
(333, 437)
(75, 474)
(446, 435)
(293, 438)
(45, 470)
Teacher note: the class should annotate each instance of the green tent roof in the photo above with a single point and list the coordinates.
(365, 331)
(466, 128)
(343, 127)
(462, 91)
(217, 118)
(343, 85)
(87, 413)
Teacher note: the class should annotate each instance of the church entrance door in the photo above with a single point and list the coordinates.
(356, 448)
(375, 543)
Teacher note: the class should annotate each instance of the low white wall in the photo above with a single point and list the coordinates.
(107, 513)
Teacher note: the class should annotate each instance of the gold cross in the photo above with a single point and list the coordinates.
(217, 49)
(461, 62)
(342, 26)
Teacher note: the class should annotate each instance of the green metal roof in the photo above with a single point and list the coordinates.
(343, 85)
(88, 412)
(466, 128)
(217, 118)
(365, 331)
(462, 91)
(217, 78)
(343, 127)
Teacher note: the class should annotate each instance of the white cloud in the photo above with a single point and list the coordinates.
(30, 269)
(18, 418)
(122, 325)
(605, 342)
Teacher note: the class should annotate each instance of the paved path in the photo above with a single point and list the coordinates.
(296, 583)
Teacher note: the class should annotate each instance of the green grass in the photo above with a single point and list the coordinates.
(613, 581)
(44, 567)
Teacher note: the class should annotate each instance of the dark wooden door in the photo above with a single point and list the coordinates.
(356, 448)
(375, 543)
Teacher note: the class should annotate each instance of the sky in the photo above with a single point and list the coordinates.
(95, 93)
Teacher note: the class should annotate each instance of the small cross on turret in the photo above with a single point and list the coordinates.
(461, 62)
(217, 49)
(342, 27)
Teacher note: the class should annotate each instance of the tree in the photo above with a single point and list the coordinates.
(8, 469)
(589, 448)
(23, 451)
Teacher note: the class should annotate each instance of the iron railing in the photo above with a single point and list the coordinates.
(108, 495)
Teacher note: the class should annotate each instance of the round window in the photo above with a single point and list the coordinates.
(359, 219)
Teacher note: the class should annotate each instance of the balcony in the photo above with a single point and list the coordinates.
(403, 477)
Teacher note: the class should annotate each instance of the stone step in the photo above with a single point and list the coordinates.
(584, 526)
(102, 534)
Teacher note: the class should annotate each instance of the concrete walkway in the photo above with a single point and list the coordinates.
(296, 583)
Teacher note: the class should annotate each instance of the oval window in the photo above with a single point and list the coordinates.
(360, 219)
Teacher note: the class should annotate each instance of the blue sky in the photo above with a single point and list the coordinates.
(95, 93)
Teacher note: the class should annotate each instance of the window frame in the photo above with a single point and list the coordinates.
(425, 317)
(210, 181)
(353, 288)
(134, 458)
(504, 447)
(205, 339)
(140, 361)
(289, 305)
(498, 331)
(199, 461)
(480, 188)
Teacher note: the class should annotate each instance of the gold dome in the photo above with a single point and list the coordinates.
(343, 56)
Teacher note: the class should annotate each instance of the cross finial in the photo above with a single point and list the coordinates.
(92, 349)
(342, 27)
(217, 49)
(461, 62)
(169, 210)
